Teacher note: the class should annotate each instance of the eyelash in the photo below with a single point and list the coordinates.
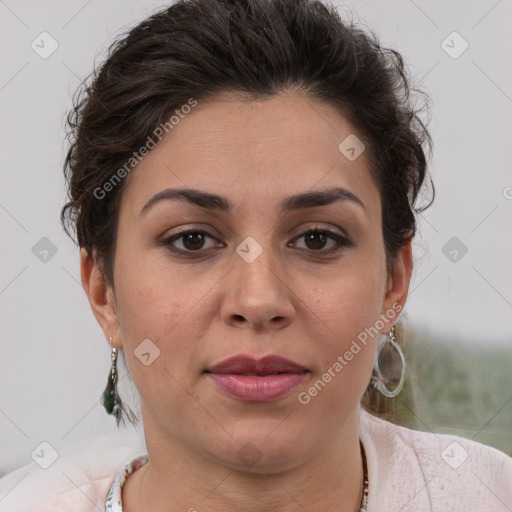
(341, 241)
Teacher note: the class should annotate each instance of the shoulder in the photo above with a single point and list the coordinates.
(437, 471)
(78, 480)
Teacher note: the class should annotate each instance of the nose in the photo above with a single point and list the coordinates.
(257, 294)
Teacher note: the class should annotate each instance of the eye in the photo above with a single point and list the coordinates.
(191, 241)
(315, 240)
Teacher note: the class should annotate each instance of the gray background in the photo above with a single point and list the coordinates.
(54, 358)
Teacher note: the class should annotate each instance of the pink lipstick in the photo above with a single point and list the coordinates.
(252, 380)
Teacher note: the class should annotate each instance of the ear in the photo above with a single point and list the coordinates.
(101, 296)
(398, 284)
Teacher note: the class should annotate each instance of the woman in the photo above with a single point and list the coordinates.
(242, 180)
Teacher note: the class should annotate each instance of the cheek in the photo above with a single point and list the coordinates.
(348, 311)
(152, 302)
(173, 312)
(351, 302)
(150, 309)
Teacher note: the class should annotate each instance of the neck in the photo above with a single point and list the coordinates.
(177, 478)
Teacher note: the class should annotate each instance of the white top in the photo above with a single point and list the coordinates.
(408, 471)
(114, 502)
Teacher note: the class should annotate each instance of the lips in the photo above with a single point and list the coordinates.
(247, 365)
(252, 380)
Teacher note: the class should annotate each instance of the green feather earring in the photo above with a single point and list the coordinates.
(111, 400)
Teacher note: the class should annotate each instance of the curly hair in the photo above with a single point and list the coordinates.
(201, 48)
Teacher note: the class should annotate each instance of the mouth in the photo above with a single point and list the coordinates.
(251, 380)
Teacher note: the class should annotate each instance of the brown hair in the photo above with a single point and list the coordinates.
(200, 48)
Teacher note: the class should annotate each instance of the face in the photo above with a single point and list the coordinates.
(250, 278)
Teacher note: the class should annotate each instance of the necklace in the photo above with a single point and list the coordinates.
(364, 497)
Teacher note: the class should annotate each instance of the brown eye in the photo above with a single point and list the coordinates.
(316, 239)
(191, 241)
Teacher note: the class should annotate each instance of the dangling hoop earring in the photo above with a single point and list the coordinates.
(378, 381)
(111, 400)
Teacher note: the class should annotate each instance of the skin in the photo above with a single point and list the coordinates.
(291, 301)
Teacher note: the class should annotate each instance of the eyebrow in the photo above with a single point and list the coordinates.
(217, 202)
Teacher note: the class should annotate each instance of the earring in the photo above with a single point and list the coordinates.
(385, 358)
(111, 400)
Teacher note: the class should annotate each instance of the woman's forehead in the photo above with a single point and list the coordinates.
(275, 148)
